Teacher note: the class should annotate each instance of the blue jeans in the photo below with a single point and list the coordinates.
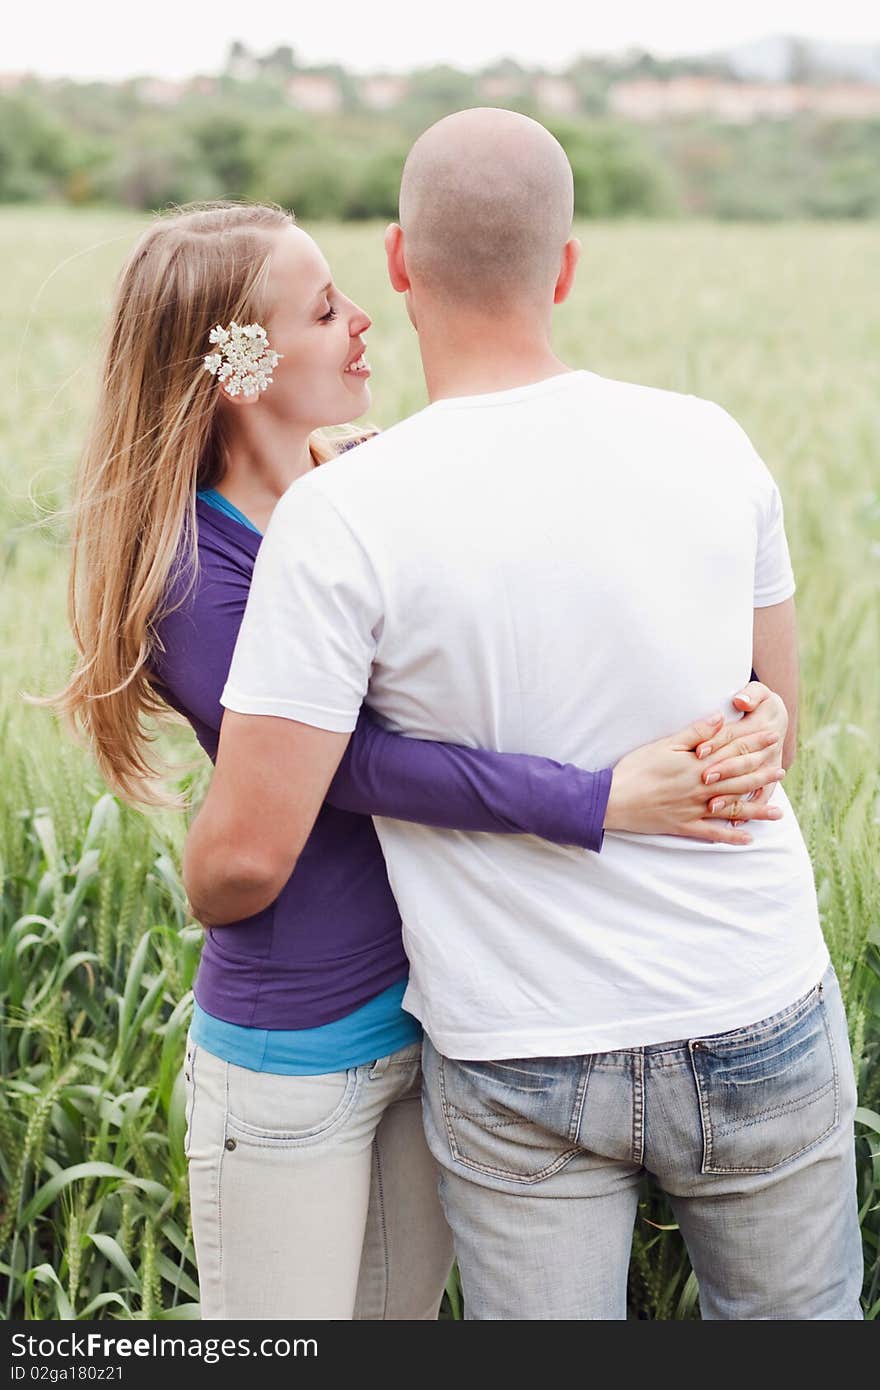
(750, 1133)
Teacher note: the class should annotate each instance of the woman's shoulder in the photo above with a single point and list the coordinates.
(210, 562)
(205, 596)
(223, 537)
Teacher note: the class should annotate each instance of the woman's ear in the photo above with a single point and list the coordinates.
(240, 399)
(571, 252)
(396, 259)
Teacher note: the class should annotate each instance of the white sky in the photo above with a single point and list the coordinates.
(174, 38)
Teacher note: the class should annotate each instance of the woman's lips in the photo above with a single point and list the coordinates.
(357, 368)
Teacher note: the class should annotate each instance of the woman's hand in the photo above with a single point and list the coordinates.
(764, 709)
(697, 782)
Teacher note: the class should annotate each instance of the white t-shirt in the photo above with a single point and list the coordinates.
(568, 568)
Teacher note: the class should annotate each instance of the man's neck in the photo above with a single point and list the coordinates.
(469, 359)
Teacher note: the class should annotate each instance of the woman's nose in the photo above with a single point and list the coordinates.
(360, 322)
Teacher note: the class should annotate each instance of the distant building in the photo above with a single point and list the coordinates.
(652, 99)
(203, 86)
(497, 90)
(381, 92)
(315, 92)
(555, 94)
(160, 92)
(848, 100)
(548, 92)
(740, 103)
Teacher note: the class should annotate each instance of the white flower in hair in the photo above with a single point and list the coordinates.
(244, 360)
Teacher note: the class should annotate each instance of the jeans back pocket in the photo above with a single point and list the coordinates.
(769, 1092)
(516, 1119)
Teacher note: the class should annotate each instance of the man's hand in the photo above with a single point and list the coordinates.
(696, 782)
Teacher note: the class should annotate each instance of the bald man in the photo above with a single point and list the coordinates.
(520, 566)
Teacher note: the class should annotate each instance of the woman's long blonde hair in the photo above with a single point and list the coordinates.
(156, 437)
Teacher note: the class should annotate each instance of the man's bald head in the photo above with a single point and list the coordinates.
(486, 203)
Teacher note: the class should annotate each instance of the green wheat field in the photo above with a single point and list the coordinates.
(781, 324)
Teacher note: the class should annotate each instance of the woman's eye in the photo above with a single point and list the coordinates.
(330, 314)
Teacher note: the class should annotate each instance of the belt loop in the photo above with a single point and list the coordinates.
(379, 1067)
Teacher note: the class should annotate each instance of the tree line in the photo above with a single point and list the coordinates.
(103, 144)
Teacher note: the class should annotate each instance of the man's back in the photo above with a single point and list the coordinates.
(528, 571)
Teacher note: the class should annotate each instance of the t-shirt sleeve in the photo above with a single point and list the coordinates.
(774, 577)
(308, 639)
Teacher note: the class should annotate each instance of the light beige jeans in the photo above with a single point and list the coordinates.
(314, 1196)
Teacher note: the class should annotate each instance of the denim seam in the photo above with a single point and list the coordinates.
(506, 1175)
(191, 1096)
(484, 1120)
(835, 1066)
(638, 1108)
(704, 1116)
(767, 1028)
(218, 1198)
(444, 1103)
(580, 1100)
(772, 1167)
(788, 1108)
(666, 1061)
(380, 1198)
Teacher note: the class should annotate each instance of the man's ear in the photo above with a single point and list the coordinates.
(395, 257)
(570, 256)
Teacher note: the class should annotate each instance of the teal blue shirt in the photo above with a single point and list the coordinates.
(222, 504)
(377, 1029)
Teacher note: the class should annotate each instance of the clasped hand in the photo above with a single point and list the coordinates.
(709, 778)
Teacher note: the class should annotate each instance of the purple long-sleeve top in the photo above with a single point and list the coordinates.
(331, 940)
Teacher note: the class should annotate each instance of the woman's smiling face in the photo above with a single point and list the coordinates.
(319, 333)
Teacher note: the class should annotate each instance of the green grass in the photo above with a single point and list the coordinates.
(779, 324)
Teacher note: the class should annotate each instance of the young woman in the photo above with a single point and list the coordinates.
(313, 1192)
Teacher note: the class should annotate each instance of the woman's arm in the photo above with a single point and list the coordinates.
(655, 790)
(454, 788)
(659, 789)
